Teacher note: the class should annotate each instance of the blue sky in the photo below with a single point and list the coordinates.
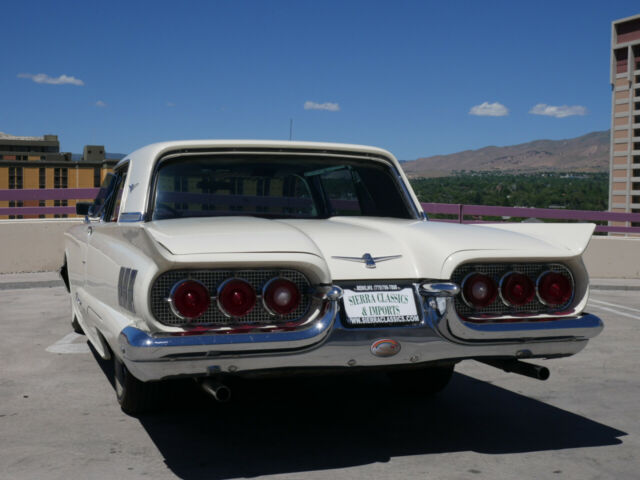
(400, 75)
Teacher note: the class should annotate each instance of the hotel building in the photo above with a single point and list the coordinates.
(624, 174)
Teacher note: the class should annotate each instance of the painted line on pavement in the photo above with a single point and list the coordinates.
(35, 284)
(66, 345)
(615, 305)
(617, 312)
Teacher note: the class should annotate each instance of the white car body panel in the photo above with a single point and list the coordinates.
(98, 252)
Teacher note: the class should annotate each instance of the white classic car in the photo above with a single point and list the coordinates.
(211, 259)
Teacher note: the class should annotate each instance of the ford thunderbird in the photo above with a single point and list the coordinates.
(221, 259)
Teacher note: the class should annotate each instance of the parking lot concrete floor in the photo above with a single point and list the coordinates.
(59, 418)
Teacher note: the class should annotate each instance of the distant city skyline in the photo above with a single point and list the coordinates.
(417, 78)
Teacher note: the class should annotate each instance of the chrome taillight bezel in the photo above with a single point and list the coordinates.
(263, 295)
(466, 279)
(172, 303)
(502, 285)
(543, 301)
(224, 309)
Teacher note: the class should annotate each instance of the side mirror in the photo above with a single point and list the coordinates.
(84, 208)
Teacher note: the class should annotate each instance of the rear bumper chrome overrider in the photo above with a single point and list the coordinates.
(329, 343)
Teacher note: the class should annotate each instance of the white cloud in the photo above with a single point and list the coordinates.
(329, 106)
(43, 78)
(171, 104)
(487, 109)
(100, 103)
(558, 111)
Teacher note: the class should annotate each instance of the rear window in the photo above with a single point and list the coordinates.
(276, 187)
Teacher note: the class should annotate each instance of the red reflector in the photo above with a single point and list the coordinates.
(516, 289)
(189, 299)
(281, 296)
(236, 298)
(479, 290)
(554, 289)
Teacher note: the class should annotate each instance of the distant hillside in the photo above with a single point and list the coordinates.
(588, 153)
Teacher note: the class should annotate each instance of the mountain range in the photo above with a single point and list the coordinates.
(587, 153)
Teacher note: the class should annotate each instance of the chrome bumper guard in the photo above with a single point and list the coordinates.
(329, 343)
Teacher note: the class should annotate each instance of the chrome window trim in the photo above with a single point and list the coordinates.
(128, 217)
(414, 210)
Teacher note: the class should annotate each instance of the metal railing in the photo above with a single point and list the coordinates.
(462, 213)
(478, 212)
(44, 194)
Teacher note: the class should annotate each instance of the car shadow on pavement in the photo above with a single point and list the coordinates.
(290, 425)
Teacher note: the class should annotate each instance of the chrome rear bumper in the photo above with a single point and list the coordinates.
(329, 343)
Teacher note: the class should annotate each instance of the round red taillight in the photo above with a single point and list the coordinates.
(236, 298)
(516, 289)
(479, 290)
(554, 289)
(189, 299)
(280, 296)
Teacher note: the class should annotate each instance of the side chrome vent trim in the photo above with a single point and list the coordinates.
(126, 283)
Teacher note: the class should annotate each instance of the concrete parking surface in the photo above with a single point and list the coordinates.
(59, 417)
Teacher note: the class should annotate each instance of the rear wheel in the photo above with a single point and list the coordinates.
(133, 395)
(423, 381)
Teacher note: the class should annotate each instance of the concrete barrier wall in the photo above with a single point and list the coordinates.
(37, 246)
(613, 257)
(33, 245)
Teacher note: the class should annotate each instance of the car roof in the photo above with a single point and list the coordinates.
(142, 161)
(151, 152)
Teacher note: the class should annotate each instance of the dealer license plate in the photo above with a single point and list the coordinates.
(380, 305)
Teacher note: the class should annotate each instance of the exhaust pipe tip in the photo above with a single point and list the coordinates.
(543, 373)
(220, 392)
(516, 366)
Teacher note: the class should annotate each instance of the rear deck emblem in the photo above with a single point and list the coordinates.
(385, 347)
(368, 260)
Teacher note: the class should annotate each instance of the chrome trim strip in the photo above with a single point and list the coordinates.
(126, 282)
(441, 289)
(585, 321)
(457, 329)
(139, 345)
(130, 217)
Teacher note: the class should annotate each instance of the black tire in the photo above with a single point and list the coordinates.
(76, 326)
(133, 395)
(422, 381)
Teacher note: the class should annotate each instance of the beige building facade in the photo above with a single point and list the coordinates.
(30, 163)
